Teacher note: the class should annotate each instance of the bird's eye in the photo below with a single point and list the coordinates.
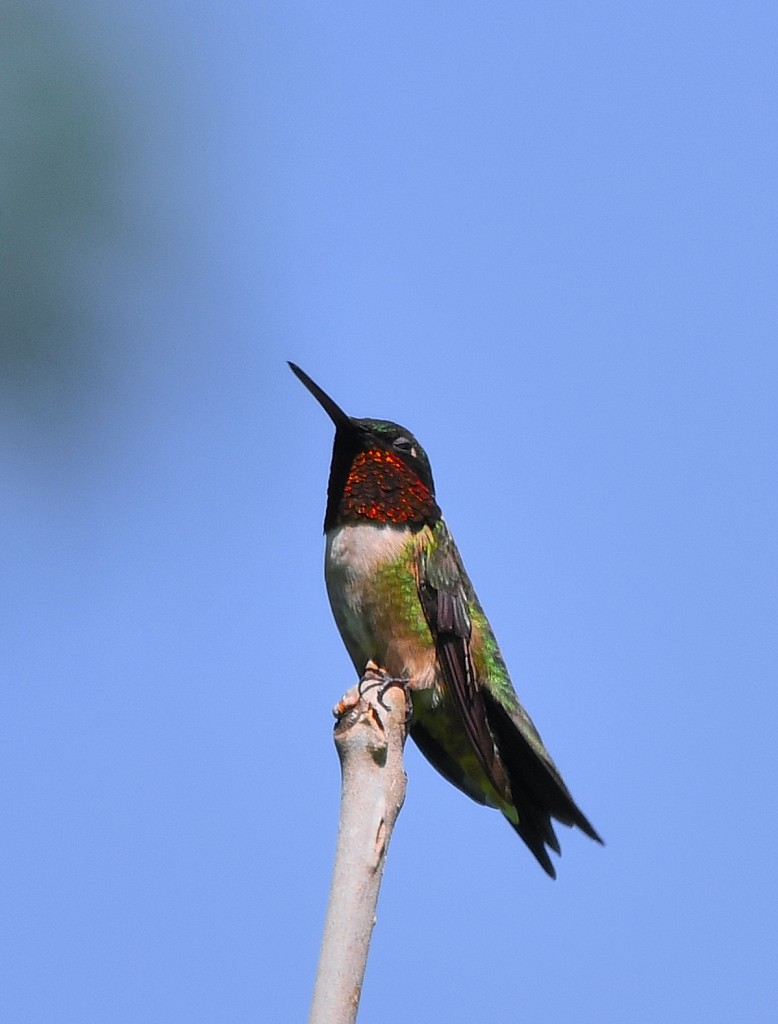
(404, 445)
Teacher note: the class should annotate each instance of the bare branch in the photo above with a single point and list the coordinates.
(369, 736)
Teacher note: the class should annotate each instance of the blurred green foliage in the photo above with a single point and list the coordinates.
(58, 160)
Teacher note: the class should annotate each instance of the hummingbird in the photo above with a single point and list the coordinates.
(401, 598)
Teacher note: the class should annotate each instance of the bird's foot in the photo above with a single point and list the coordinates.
(376, 678)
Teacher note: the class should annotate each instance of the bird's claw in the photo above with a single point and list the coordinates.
(376, 678)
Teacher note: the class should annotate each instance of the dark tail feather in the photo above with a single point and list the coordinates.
(536, 845)
(538, 792)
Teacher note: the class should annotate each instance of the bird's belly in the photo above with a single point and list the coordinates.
(373, 590)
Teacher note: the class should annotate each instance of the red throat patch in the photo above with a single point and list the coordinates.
(381, 487)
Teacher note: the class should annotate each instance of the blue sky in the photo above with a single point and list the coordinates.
(543, 238)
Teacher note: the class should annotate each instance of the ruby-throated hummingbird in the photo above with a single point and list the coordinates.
(402, 599)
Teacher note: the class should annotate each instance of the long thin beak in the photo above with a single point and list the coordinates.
(334, 411)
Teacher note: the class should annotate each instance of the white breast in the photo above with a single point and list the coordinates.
(353, 556)
(355, 551)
